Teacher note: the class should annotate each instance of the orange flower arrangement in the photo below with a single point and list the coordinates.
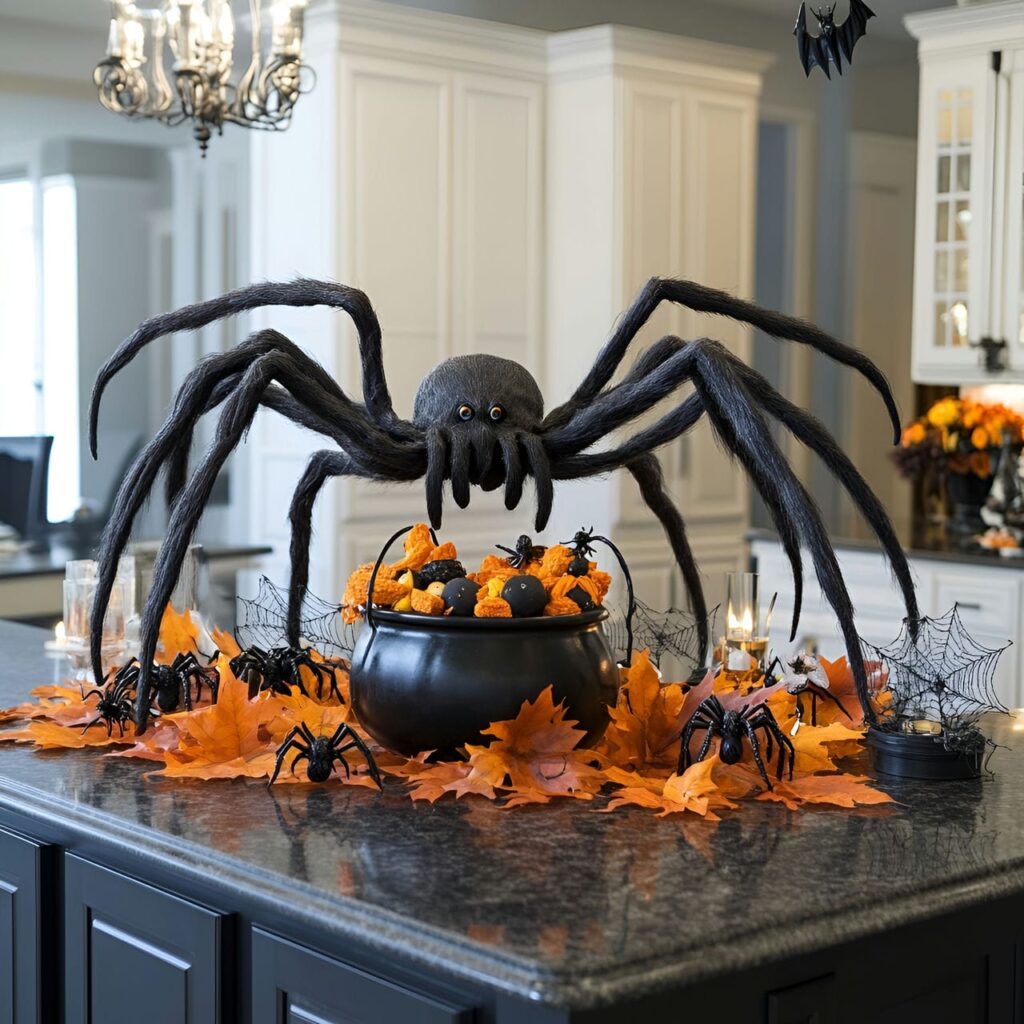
(957, 435)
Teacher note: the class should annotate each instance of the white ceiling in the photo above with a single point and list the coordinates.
(92, 14)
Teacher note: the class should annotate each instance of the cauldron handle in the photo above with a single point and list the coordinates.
(630, 598)
(373, 575)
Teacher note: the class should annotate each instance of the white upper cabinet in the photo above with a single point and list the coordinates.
(969, 230)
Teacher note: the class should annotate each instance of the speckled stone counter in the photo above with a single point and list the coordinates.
(559, 904)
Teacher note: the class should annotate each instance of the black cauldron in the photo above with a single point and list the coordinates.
(423, 682)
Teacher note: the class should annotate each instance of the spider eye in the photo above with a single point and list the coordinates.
(465, 412)
(497, 413)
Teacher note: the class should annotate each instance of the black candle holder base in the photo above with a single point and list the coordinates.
(916, 756)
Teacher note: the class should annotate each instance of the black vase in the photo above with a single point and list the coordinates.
(967, 493)
(423, 682)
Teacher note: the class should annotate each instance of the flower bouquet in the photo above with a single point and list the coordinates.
(954, 446)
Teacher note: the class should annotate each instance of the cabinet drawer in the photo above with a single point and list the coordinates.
(134, 953)
(989, 605)
(25, 876)
(295, 985)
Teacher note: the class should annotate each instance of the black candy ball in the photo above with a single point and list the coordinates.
(582, 598)
(460, 596)
(442, 571)
(579, 566)
(526, 596)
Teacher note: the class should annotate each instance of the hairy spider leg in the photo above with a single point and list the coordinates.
(755, 749)
(291, 742)
(356, 742)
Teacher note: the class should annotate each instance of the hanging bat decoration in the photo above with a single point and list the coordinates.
(834, 42)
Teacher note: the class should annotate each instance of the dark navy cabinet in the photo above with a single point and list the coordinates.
(294, 985)
(130, 946)
(27, 977)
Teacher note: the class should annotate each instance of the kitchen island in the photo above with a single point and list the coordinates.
(129, 899)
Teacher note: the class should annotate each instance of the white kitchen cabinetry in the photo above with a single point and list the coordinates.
(495, 189)
(969, 245)
(990, 598)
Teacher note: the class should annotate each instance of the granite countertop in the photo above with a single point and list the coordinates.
(918, 542)
(560, 904)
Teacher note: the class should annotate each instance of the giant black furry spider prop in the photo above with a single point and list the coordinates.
(732, 726)
(480, 420)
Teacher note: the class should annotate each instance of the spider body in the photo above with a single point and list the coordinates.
(113, 706)
(523, 553)
(479, 420)
(172, 684)
(280, 670)
(322, 751)
(733, 726)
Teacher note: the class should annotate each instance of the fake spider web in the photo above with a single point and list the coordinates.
(263, 622)
(945, 675)
(670, 636)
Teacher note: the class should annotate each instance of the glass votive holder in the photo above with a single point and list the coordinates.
(744, 648)
(78, 600)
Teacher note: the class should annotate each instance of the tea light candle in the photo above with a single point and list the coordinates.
(923, 727)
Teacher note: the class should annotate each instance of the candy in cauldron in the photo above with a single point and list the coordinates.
(526, 596)
(460, 596)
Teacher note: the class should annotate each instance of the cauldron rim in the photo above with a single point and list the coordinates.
(458, 623)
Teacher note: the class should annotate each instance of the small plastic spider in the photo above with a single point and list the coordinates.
(322, 751)
(172, 684)
(524, 552)
(805, 675)
(732, 726)
(114, 706)
(280, 669)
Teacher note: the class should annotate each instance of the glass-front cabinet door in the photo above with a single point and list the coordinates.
(1013, 326)
(954, 209)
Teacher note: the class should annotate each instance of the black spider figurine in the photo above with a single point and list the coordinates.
(280, 670)
(172, 684)
(732, 726)
(523, 553)
(113, 706)
(321, 752)
(479, 420)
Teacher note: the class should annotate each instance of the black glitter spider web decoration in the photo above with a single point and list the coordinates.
(263, 622)
(666, 634)
(944, 675)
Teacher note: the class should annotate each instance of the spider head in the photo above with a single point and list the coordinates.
(475, 398)
(826, 18)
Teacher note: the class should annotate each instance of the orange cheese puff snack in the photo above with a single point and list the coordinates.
(566, 583)
(560, 606)
(602, 580)
(555, 561)
(443, 553)
(385, 591)
(492, 567)
(426, 603)
(418, 545)
(493, 608)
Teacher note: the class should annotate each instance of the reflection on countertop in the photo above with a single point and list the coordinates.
(561, 903)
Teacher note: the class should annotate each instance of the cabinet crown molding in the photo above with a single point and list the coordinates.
(978, 27)
(370, 27)
(586, 52)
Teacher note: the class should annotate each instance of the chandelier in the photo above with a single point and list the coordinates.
(139, 78)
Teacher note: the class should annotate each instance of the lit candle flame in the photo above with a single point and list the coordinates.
(743, 626)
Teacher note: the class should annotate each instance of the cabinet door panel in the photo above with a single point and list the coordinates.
(22, 960)
(293, 985)
(133, 952)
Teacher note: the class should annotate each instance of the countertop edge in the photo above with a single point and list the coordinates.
(436, 949)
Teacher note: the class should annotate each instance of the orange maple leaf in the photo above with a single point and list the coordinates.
(535, 755)
(225, 642)
(227, 739)
(839, 790)
(51, 736)
(178, 635)
(154, 744)
(432, 780)
(648, 719)
(695, 790)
